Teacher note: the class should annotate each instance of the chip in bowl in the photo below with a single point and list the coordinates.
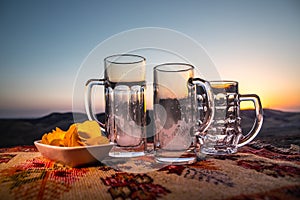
(79, 134)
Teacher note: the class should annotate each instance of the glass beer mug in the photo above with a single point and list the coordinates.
(224, 135)
(176, 112)
(125, 111)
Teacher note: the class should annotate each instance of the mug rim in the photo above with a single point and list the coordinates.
(106, 60)
(231, 82)
(186, 66)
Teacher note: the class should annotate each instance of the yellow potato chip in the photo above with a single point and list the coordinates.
(97, 140)
(86, 133)
(71, 138)
(54, 137)
(44, 139)
(88, 129)
(57, 142)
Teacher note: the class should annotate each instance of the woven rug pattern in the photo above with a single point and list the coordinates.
(256, 172)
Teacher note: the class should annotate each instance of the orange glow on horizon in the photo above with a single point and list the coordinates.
(278, 102)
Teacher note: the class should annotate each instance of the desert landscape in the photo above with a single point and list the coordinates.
(280, 129)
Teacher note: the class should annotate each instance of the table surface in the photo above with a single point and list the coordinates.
(257, 171)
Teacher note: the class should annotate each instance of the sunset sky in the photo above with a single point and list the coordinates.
(43, 44)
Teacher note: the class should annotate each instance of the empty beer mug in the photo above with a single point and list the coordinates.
(125, 111)
(176, 112)
(224, 135)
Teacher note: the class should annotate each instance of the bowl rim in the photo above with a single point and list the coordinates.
(38, 143)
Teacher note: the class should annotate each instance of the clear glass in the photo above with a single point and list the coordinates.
(176, 112)
(225, 135)
(125, 109)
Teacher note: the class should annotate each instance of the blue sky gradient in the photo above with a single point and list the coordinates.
(43, 43)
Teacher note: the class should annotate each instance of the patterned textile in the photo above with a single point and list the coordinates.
(257, 172)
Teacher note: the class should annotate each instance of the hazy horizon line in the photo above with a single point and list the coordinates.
(44, 114)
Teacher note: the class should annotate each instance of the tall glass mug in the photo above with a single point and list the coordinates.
(176, 112)
(125, 109)
(224, 135)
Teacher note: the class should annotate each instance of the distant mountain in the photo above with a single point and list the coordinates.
(279, 128)
(25, 131)
(274, 121)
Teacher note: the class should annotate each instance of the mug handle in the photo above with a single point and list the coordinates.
(258, 119)
(209, 113)
(88, 99)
